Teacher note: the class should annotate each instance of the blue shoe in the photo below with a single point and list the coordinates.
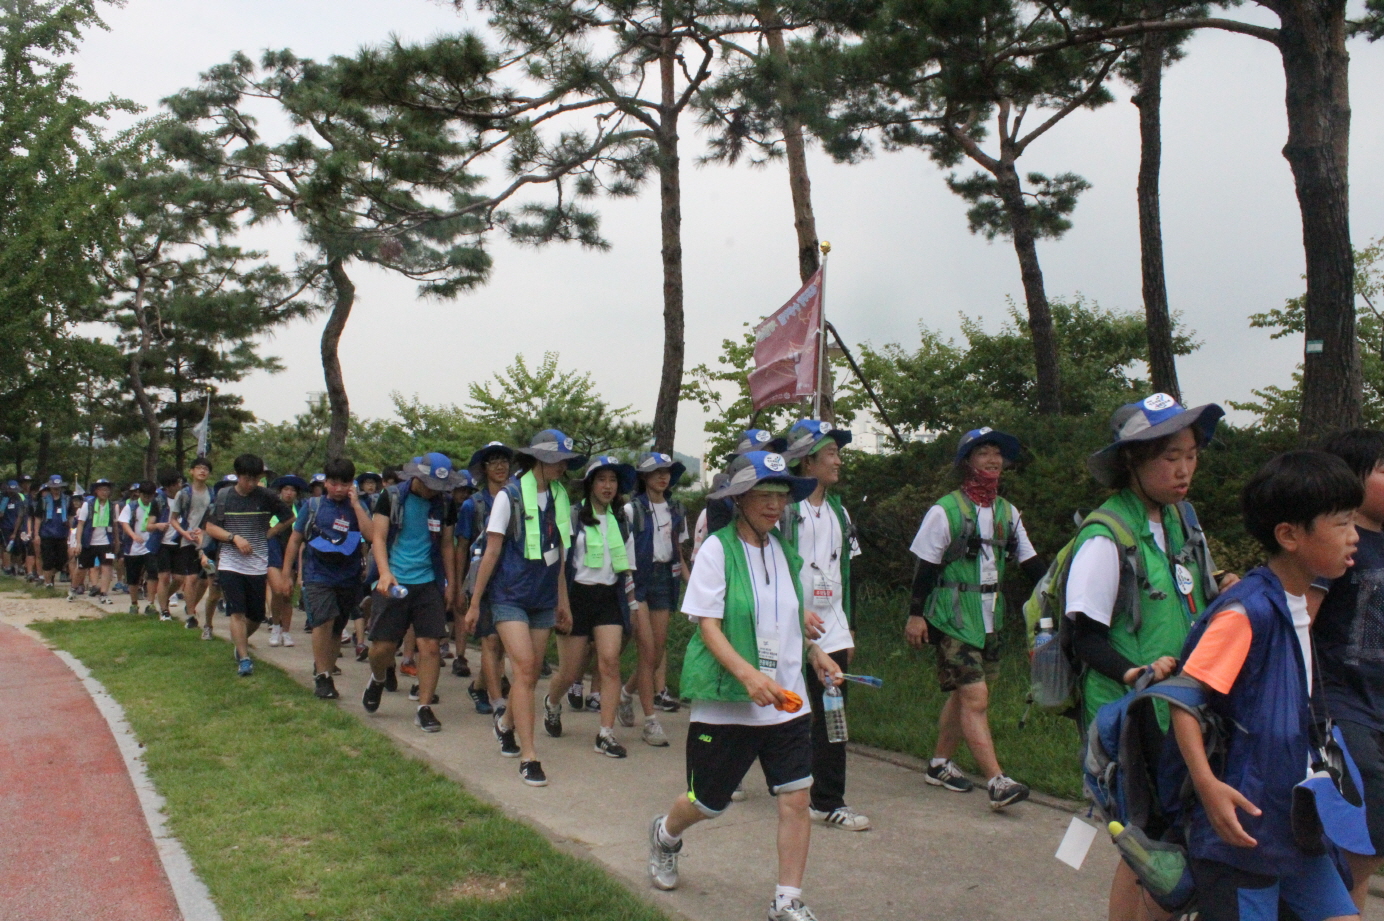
(246, 668)
(481, 699)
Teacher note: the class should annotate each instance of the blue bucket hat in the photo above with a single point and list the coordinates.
(12, 484)
(325, 542)
(656, 460)
(807, 435)
(101, 482)
(758, 440)
(479, 459)
(289, 479)
(465, 481)
(623, 472)
(552, 447)
(55, 482)
(435, 470)
(1150, 419)
(319, 478)
(1009, 445)
(370, 475)
(757, 468)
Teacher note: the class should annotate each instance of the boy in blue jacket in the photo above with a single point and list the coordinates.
(1251, 653)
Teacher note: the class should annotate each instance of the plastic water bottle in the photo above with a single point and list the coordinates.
(208, 565)
(397, 591)
(834, 712)
(1045, 634)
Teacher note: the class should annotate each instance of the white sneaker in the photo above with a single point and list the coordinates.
(287, 638)
(206, 633)
(739, 795)
(842, 817)
(625, 711)
(276, 635)
(653, 734)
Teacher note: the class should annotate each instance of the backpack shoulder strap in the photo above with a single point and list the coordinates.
(313, 507)
(1133, 577)
(640, 520)
(961, 541)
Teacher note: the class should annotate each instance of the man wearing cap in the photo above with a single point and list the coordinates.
(963, 548)
(744, 674)
(820, 531)
(187, 512)
(331, 528)
(239, 522)
(48, 530)
(528, 535)
(97, 520)
(411, 542)
(489, 468)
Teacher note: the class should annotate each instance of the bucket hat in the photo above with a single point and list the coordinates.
(464, 480)
(1149, 419)
(1009, 445)
(656, 460)
(624, 472)
(552, 447)
(759, 467)
(55, 482)
(758, 440)
(807, 435)
(478, 460)
(319, 478)
(289, 479)
(435, 470)
(370, 475)
(101, 482)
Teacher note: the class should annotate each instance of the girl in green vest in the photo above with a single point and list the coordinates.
(1132, 608)
(963, 547)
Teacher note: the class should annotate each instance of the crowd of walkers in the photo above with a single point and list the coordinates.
(1278, 672)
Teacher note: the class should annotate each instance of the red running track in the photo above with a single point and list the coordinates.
(74, 845)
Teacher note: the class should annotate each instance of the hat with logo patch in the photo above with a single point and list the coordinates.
(807, 436)
(624, 473)
(1150, 419)
(55, 482)
(657, 460)
(464, 481)
(1009, 445)
(762, 468)
(435, 470)
(552, 447)
(758, 440)
(483, 456)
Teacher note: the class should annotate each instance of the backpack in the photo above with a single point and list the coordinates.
(968, 542)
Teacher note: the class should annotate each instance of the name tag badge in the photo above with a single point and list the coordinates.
(434, 525)
(1184, 579)
(550, 557)
(677, 569)
(342, 525)
(768, 655)
(821, 593)
(110, 556)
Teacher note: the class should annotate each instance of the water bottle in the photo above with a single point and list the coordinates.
(1045, 634)
(208, 566)
(834, 712)
(397, 591)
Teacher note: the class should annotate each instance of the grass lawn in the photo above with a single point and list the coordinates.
(293, 810)
(33, 590)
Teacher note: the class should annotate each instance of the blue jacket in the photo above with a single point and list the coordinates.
(528, 584)
(1268, 719)
(53, 521)
(88, 527)
(644, 537)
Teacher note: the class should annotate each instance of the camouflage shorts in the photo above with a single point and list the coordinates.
(960, 664)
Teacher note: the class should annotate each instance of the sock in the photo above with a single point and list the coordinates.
(994, 780)
(937, 762)
(650, 719)
(607, 733)
(375, 678)
(421, 706)
(665, 837)
(784, 896)
(497, 704)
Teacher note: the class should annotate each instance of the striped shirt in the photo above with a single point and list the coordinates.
(247, 517)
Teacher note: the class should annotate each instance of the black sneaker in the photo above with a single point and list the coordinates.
(1006, 791)
(546, 671)
(326, 688)
(532, 773)
(362, 652)
(552, 718)
(575, 698)
(165, 615)
(606, 745)
(666, 702)
(480, 698)
(460, 668)
(413, 695)
(948, 775)
(425, 720)
(370, 700)
(391, 680)
(190, 623)
(509, 747)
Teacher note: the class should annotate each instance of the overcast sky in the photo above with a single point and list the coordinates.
(901, 252)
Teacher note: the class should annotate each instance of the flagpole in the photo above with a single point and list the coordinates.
(822, 369)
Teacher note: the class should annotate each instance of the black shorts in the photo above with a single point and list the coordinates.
(485, 624)
(164, 555)
(186, 561)
(244, 594)
(138, 570)
(1366, 747)
(595, 606)
(96, 556)
(54, 552)
(718, 756)
(424, 609)
(327, 604)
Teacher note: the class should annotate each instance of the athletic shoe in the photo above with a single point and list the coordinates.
(842, 817)
(134, 609)
(663, 860)
(948, 775)
(1006, 791)
(504, 686)
(71, 596)
(190, 623)
(148, 608)
(593, 702)
(165, 615)
(276, 635)
(606, 745)
(552, 718)
(508, 746)
(346, 638)
(547, 670)
(409, 669)
(426, 721)
(391, 680)
(796, 911)
(653, 734)
(326, 687)
(666, 702)
(119, 588)
(336, 671)
(287, 639)
(444, 651)
(738, 796)
(532, 773)
(370, 700)
(206, 633)
(413, 695)
(480, 698)
(575, 700)
(624, 712)
(362, 652)
(460, 668)
(245, 667)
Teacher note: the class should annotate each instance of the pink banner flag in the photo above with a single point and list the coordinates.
(786, 349)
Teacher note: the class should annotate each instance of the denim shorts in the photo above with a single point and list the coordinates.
(660, 588)
(537, 618)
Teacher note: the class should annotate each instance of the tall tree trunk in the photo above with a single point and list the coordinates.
(1039, 316)
(804, 221)
(331, 363)
(142, 398)
(670, 205)
(1157, 320)
(1316, 72)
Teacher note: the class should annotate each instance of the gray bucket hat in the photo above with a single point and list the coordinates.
(552, 447)
(1150, 419)
(757, 468)
(435, 470)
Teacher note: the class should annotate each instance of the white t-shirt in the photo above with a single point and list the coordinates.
(605, 575)
(934, 536)
(100, 537)
(776, 613)
(498, 522)
(699, 534)
(128, 515)
(661, 520)
(1093, 582)
(820, 545)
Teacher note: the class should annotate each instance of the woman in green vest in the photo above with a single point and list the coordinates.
(964, 546)
(1132, 597)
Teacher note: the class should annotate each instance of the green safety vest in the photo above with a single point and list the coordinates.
(562, 508)
(954, 605)
(703, 678)
(595, 545)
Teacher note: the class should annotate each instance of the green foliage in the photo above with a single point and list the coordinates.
(1051, 202)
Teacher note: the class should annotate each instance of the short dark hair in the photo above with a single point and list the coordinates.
(1295, 488)
(340, 469)
(1132, 456)
(391, 473)
(249, 465)
(1361, 449)
(200, 462)
(169, 477)
(144, 486)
